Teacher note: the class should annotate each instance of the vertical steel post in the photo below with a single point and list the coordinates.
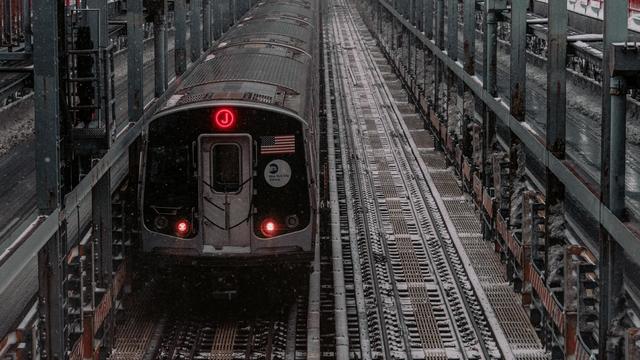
(469, 36)
(26, 25)
(48, 31)
(6, 19)
(135, 40)
(428, 18)
(159, 50)
(101, 217)
(234, 11)
(469, 49)
(611, 254)
(556, 121)
(180, 24)
(46, 76)
(196, 32)
(618, 118)
(216, 18)
(439, 37)
(100, 30)
(50, 291)
(490, 84)
(518, 58)
(419, 9)
(206, 24)
(517, 80)
(412, 12)
(452, 29)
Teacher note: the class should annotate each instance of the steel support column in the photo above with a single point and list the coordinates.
(439, 39)
(206, 25)
(7, 36)
(428, 18)
(490, 84)
(234, 11)
(101, 218)
(556, 128)
(135, 49)
(196, 30)
(48, 29)
(452, 29)
(216, 18)
(159, 49)
(50, 289)
(611, 254)
(26, 25)
(469, 49)
(180, 24)
(517, 82)
(412, 12)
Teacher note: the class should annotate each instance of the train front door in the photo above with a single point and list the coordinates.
(225, 190)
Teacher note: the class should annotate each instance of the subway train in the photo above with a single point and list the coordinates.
(230, 163)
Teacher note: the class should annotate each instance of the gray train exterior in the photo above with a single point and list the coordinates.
(230, 164)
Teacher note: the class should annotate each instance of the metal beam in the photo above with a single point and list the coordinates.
(135, 48)
(490, 84)
(556, 127)
(428, 18)
(518, 60)
(180, 37)
(101, 219)
(452, 29)
(206, 25)
(48, 29)
(160, 50)
(196, 30)
(216, 18)
(26, 26)
(611, 256)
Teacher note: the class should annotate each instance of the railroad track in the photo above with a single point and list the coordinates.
(417, 297)
(163, 324)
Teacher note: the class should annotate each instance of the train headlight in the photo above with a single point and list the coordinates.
(183, 227)
(160, 222)
(268, 227)
(292, 221)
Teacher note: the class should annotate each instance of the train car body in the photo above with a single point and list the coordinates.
(587, 15)
(230, 163)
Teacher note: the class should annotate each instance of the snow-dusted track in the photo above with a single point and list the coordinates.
(411, 293)
(153, 328)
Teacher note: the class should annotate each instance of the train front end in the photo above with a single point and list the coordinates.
(229, 182)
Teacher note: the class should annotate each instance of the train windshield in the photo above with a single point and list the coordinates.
(169, 183)
(226, 167)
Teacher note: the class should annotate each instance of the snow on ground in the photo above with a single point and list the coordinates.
(16, 124)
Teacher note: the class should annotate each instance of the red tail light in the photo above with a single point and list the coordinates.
(268, 227)
(183, 227)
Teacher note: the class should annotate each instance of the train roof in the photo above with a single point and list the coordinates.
(267, 58)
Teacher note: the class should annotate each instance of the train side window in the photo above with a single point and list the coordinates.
(226, 173)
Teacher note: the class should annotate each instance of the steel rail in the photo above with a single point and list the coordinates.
(340, 304)
(347, 140)
(622, 234)
(385, 97)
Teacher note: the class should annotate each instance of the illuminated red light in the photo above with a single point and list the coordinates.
(183, 227)
(268, 228)
(224, 118)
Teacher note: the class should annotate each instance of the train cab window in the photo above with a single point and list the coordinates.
(226, 162)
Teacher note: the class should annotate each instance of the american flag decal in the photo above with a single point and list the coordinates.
(281, 144)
